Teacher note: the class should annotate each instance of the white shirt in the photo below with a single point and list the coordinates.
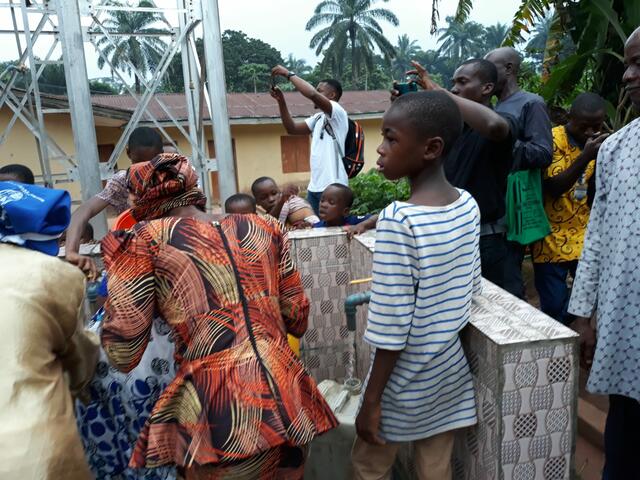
(426, 267)
(326, 163)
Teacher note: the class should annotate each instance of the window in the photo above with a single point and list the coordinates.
(215, 183)
(295, 153)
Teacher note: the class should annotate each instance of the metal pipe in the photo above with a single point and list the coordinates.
(351, 307)
(84, 131)
(218, 98)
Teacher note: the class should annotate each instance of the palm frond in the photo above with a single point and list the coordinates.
(528, 12)
(463, 10)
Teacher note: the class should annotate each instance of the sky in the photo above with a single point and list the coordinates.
(281, 23)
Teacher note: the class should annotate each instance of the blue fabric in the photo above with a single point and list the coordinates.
(348, 220)
(32, 216)
(551, 284)
(119, 406)
(314, 200)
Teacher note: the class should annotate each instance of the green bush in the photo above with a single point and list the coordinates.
(372, 192)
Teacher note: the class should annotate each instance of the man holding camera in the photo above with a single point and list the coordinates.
(328, 129)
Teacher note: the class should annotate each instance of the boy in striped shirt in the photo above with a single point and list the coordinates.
(426, 267)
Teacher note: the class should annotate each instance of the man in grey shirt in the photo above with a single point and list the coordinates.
(532, 149)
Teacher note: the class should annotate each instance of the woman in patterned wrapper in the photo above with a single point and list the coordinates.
(241, 403)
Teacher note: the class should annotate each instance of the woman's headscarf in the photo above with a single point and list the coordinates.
(166, 182)
(33, 217)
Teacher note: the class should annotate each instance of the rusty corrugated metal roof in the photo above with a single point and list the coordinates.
(249, 105)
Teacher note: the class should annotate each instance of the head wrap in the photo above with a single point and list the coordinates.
(166, 182)
(32, 216)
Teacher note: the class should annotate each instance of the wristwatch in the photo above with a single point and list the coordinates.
(291, 74)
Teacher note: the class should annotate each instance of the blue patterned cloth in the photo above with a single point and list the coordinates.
(608, 276)
(120, 405)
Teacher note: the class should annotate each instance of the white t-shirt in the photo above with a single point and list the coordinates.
(326, 164)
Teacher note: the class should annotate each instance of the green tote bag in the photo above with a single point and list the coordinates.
(526, 219)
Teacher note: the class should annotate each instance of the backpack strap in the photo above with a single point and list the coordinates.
(329, 129)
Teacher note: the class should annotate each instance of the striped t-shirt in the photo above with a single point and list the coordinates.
(426, 267)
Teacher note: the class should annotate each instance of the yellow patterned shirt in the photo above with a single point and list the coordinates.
(567, 215)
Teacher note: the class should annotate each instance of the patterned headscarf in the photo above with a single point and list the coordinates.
(166, 182)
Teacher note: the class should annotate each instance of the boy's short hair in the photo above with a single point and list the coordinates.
(588, 102)
(486, 70)
(258, 181)
(145, 137)
(21, 173)
(431, 114)
(335, 84)
(345, 191)
(237, 199)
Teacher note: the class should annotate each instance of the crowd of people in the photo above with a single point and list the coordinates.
(186, 371)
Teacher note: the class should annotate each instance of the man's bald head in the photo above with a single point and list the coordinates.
(507, 60)
(631, 77)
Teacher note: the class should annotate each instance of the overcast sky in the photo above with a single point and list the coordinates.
(281, 23)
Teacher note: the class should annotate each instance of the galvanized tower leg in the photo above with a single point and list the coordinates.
(191, 76)
(218, 98)
(84, 132)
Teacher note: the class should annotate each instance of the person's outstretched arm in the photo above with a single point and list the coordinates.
(292, 127)
(482, 119)
(305, 88)
(79, 221)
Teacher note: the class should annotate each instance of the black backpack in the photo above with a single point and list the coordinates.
(353, 148)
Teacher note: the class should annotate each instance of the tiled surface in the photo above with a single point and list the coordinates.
(523, 364)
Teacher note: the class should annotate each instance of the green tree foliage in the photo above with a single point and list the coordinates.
(460, 41)
(350, 28)
(406, 50)
(256, 73)
(298, 65)
(495, 35)
(99, 87)
(240, 50)
(133, 46)
(372, 192)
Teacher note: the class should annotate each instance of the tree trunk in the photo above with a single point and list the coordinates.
(352, 37)
(137, 80)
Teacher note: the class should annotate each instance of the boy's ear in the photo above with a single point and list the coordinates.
(433, 148)
(346, 211)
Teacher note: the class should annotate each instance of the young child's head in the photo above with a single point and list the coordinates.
(586, 117)
(335, 204)
(266, 192)
(16, 173)
(417, 131)
(144, 145)
(240, 203)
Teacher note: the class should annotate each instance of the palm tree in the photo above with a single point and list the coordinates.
(298, 65)
(134, 46)
(352, 25)
(460, 41)
(406, 50)
(494, 35)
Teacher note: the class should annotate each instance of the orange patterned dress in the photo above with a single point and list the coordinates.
(230, 293)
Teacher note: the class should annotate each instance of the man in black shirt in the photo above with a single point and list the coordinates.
(480, 164)
(481, 158)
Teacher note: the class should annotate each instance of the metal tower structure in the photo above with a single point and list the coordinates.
(74, 23)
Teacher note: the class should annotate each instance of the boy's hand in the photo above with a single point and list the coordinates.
(353, 230)
(277, 94)
(367, 423)
(394, 92)
(279, 71)
(582, 326)
(592, 146)
(424, 80)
